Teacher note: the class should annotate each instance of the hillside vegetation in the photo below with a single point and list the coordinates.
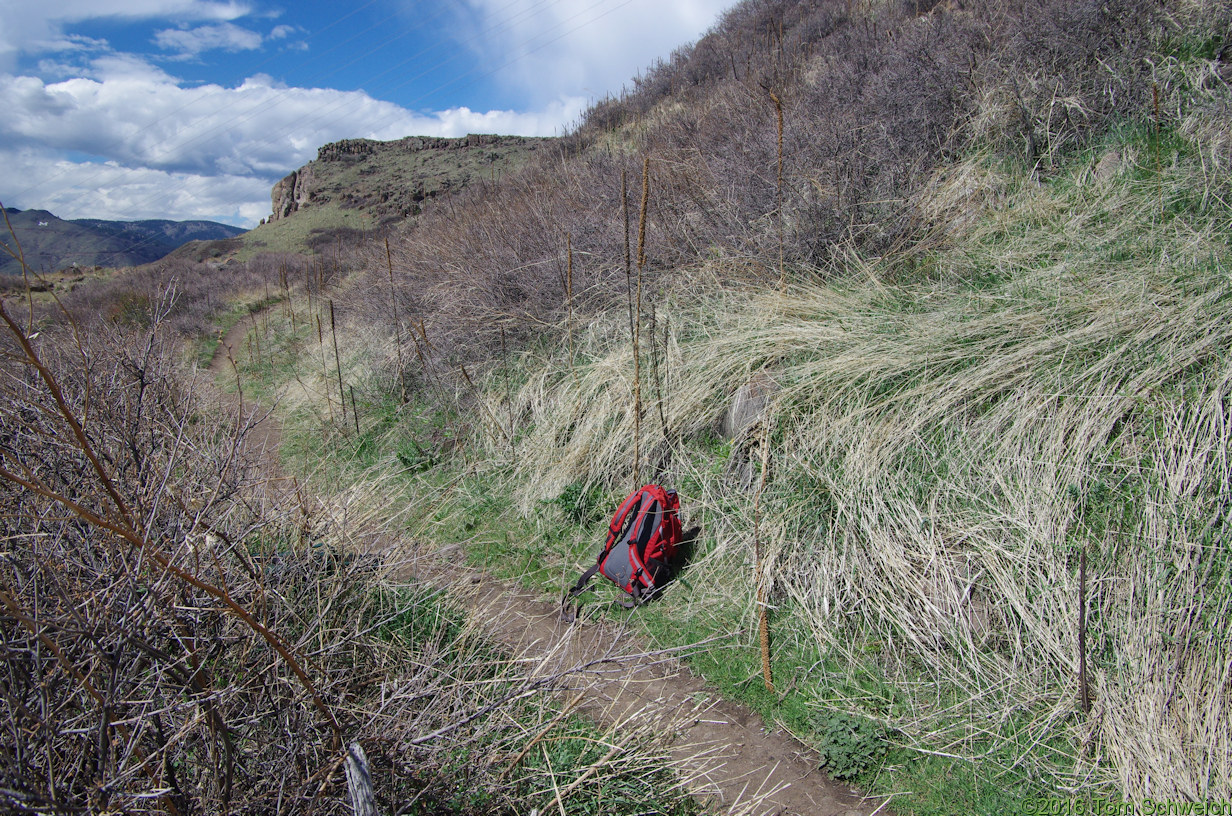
(972, 262)
(990, 296)
(185, 631)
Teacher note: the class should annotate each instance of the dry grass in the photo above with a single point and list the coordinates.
(1058, 380)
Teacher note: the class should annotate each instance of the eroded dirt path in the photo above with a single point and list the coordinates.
(263, 435)
(727, 756)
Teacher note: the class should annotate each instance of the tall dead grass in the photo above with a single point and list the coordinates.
(1057, 379)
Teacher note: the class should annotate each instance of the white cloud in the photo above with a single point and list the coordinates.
(74, 43)
(108, 134)
(189, 42)
(138, 115)
(112, 191)
(163, 145)
(33, 26)
(548, 121)
(589, 48)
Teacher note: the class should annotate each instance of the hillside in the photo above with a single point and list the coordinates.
(980, 284)
(392, 180)
(361, 185)
(924, 308)
(51, 244)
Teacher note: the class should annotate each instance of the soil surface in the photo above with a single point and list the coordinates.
(729, 758)
(263, 435)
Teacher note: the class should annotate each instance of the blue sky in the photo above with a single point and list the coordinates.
(180, 109)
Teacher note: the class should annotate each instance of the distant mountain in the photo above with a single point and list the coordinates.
(50, 244)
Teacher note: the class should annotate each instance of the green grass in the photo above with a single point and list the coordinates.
(953, 434)
(294, 234)
(814, 690)
(356, 195)
(420, 620)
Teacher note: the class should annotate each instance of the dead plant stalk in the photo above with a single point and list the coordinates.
(763, 617)
(637, 326)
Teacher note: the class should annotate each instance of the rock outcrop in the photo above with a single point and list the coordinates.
(294, 192)
(391, 194)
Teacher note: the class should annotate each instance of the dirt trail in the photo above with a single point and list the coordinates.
(264, 436)
(728, 756)
(731, 759)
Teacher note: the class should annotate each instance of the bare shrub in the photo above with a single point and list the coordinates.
(190, 296)
(181, 634)
(874, 97)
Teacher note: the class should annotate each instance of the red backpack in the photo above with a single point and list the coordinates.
(641, 544)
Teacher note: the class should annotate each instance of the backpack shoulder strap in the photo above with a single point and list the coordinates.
(580, 586)
(615, 529)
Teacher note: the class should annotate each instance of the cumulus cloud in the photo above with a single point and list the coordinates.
(107, 189)
(139, 115)
(110, 134)
(161, 143)
(590, 48)
(189, 42)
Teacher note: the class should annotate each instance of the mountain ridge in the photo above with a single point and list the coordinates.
(50, 244)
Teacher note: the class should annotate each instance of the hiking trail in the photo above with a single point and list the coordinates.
(730, 759)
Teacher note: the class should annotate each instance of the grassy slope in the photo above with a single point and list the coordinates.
(953, 427)
(381, 181)
(356, 195)
(294, 234)
(942, 450)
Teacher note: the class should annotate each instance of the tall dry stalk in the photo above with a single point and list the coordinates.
(569, 294)
(763, 614)
(333, 331)
(1083, 692)
(624, 206)
(569, 305)
(1159, 164)
(778, 112)
(329, 402)
(354, 408)
(637, 325)
(513, 454)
